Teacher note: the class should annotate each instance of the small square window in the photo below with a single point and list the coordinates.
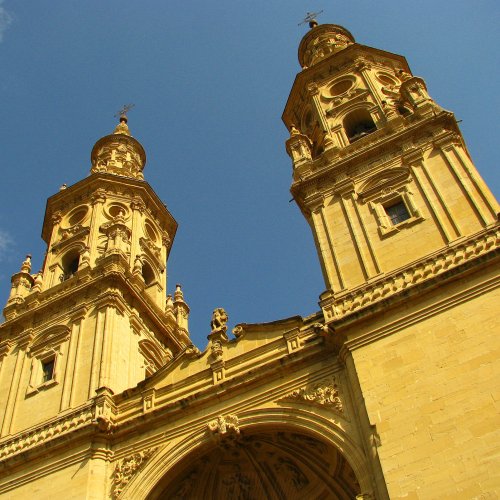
(397, 212)
(48, 370)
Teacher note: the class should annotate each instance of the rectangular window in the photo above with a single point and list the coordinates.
(397, 212)
(48, 370)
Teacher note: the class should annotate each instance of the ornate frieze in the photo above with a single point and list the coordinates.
(128, 467)
(46, 432)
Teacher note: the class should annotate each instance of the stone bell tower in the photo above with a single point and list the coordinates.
(380, 170)
(408, 239)
(96, 315)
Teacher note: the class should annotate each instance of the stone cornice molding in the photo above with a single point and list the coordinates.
(25, 338)
(98, 416)
(5, 348)
(199, 390)
(417, 316)
(336, 306)
(46, 432)
(448, 139)
(92, 187)
(58, 298)
(79, 313)
(370, 147)
(111, 298)
(412, 155)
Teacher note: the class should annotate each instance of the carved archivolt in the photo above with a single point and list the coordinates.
(128, 467)
(293, 465)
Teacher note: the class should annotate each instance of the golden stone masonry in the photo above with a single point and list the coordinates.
(390, 390)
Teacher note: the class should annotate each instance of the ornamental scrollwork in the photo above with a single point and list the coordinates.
(127, 468)
(224, 428)
(324, 393)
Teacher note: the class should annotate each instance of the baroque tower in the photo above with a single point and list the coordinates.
(381, 171)
(407, 236)
(388, 391)
(96, 314)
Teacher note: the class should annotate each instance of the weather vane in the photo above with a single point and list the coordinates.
(310, 18)
(125, 109)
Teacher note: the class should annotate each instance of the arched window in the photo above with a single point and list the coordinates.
(70, 263)
(148, 274)
(358, 124)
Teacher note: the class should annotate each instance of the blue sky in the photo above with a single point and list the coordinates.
(209, 81)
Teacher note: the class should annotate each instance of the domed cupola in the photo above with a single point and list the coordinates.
(119, 153)
(322, 41)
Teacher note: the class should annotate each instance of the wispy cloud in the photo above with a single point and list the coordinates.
(5, 20)
(5, 243)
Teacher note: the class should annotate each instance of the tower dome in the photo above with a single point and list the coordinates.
(119, 153)
(321, 41)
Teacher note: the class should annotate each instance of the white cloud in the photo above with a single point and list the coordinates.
(5, 20)
(5, 242)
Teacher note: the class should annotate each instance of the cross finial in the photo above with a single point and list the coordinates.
(122, 114)
(311, 19)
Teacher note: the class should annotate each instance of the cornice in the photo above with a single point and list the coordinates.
(417, 316)
(106, 420)
(240, 376)
(370, 147)
(88, 187)
(338, 62)
(444, 263)
(40, 435)
(69, 292)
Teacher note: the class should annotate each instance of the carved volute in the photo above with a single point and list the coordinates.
(119, 153)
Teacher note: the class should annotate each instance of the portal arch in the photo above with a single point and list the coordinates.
(280, 453)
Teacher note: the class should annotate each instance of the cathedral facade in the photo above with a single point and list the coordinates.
(390, 390)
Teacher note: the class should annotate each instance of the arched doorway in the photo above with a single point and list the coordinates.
(262, 465)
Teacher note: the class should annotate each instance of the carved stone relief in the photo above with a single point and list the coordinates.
(324, 393)
(271, 465)
(224, 428)
(127, 468)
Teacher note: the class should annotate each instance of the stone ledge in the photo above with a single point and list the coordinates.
(336, 306)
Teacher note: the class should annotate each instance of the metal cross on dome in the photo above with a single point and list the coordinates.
(310, 16)
(125, 109)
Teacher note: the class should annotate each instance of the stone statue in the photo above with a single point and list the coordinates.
(219, 320)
